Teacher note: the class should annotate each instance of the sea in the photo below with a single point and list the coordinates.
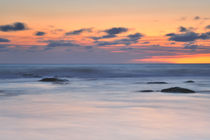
(104, 102)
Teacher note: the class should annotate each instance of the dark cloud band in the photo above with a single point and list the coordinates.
(18, 26)
(4, 40)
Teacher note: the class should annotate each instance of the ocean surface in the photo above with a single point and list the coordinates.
(104, 102)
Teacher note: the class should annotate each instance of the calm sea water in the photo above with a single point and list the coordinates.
(104, 71)
(102, 102)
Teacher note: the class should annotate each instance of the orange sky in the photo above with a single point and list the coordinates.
(182, 59)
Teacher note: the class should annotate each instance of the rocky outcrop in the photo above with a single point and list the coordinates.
(146, 91)
(177, 90)
(55, 80)
(190, 81)
(157, 83)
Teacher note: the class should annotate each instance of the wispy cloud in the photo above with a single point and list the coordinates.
(128, 40)
(111, 33)
(78, 32)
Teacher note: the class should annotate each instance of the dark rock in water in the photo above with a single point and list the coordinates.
(177, 90)
(53, 80)
(157, 83)
(190, 81)
(146, 91)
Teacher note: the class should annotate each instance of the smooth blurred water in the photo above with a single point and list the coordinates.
(104, 71)
(104, 108)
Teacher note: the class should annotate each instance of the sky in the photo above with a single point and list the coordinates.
(104, 31)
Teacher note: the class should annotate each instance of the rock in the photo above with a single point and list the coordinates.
(146, 91)
(53, 80)
(157, 83)
(177, 90)
(190, 81)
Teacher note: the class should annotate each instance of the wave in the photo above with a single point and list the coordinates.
(104, 71)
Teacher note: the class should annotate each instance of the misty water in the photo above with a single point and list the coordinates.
(103, 102)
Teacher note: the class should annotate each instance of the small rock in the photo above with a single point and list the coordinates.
(157, 83)
(177, 90)
(53, 80)
(146, 91)
(190, 81)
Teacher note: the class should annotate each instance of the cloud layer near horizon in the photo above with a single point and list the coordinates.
(116, 41)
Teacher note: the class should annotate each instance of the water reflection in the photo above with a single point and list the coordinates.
(57, 112)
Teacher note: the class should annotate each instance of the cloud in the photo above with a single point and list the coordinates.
(39, 33)
(130, 39)
(65, 43)
(146, 42)
(108, 36)
(192, 47)
(198, 48)
(197, 17)
(55, 31)
(4, 40)
(60, 43)
(135, 37)
(183, 29)
(205, 36)
(18, 26)
(187, 35)
(111, 33)
(78, 32)
(207, 27)
(183, 37)
(201, 18)
(116, 30)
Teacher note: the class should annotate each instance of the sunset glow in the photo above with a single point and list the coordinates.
(183, 59)
(140, 31)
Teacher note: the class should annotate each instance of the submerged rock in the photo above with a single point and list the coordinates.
(146, 91)
(177, 90)
(190, 81)
(54, 80)
(157, 83)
